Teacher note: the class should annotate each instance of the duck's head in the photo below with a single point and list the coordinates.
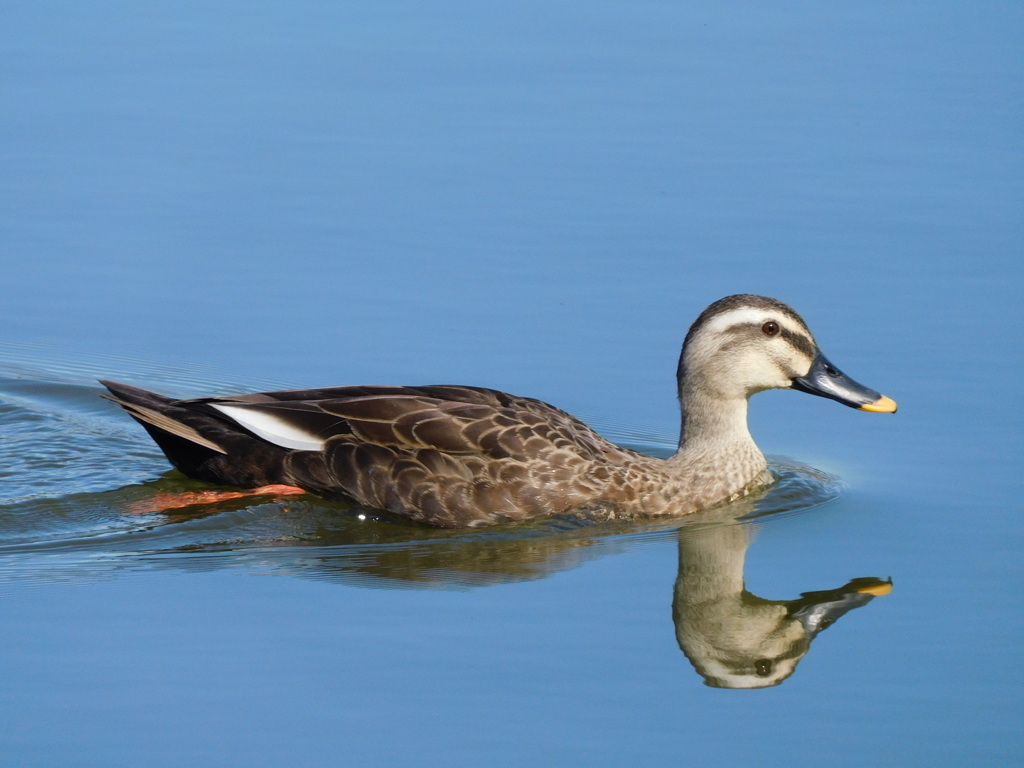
(744, 344)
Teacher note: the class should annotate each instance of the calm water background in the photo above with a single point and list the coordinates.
(539, 198)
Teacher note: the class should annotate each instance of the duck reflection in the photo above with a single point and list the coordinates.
(735, 639)
(732, 638)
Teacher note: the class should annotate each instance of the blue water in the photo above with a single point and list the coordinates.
(540, 198)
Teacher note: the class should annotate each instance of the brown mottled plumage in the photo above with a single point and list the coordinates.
(463, 456)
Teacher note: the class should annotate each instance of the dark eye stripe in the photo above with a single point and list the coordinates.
(799, 341)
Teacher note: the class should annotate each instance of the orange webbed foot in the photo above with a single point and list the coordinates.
(163, 502)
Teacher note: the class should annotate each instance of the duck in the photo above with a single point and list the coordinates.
(457, 456)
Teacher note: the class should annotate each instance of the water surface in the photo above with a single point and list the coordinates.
(214, 199)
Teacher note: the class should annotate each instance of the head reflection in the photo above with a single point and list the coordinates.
(733, 638)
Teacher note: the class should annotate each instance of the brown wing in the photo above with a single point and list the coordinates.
(447, 455)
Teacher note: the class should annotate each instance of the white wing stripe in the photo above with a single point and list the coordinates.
(272, 428)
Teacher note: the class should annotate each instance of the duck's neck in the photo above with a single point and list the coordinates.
(715, 445)
(711, 563)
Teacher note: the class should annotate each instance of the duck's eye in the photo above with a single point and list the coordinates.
(771, 328)
(763, 667)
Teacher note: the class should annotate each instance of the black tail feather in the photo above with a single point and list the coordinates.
(197, 442)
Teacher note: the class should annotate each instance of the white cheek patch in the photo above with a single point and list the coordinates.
(272, 428)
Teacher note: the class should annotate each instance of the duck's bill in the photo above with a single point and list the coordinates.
(825, 380)
(819, 610)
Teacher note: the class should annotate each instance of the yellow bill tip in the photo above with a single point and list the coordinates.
(881, 405)
(882, 588)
